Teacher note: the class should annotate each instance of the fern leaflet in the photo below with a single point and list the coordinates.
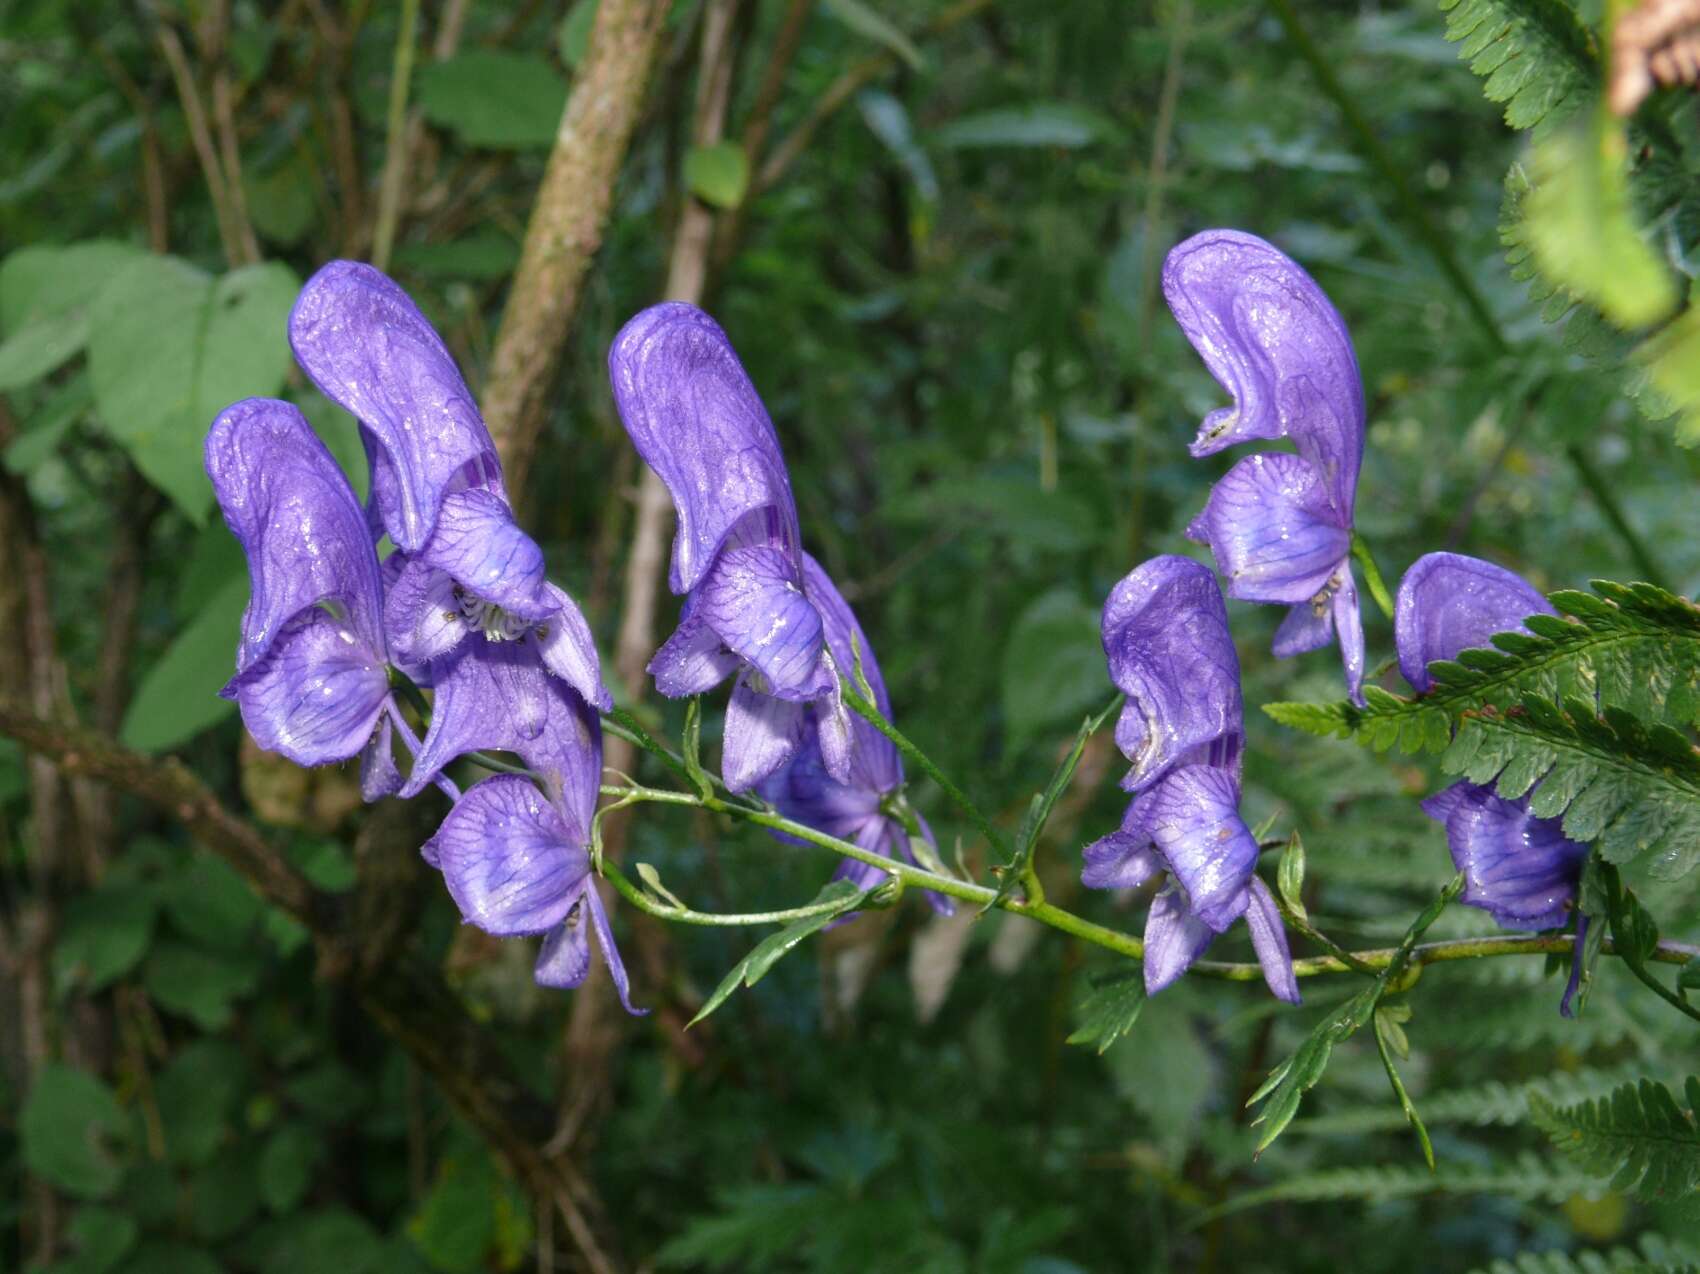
(1655, 1257)
(1530, 1177)
(1534, 55)
(1633, 788)
(1638, 1137)
(1487, 1104)
(1629, 646)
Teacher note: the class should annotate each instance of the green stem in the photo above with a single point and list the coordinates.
(1597, 486)
(1050, 914)
(395, 137)
(1372, 575)
(684, 915)
(1620, 927)
(874, 717)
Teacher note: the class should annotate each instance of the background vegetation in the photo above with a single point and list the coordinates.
(937, 257)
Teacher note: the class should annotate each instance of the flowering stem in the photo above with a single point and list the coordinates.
(1056, 917)
(685, 915)
(870, 713)
(1372, 575)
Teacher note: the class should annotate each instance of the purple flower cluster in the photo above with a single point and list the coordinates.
(756, 605)
(1165, 632)
(461, 606)
(1520, 869)
(1279, 524)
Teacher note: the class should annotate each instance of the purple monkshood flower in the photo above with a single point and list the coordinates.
(468, 610)
(1520, 869)
(1165, 631)
(698, 422)
(312, 665)
(855, 810)
(515, 862)
(1279, 525)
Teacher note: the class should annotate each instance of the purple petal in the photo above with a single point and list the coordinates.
(1269, 941)
(1349, 624)
(696, 420)
(379, 774)
(761, 734)
(1269, 523)
(803, 790)
(496, 696)
(1121, 860)
(296, 518)
(564, 960)
(1275, 342)
(1193, 816)
(567, 649)
(368, 348)
(693, 661)
(1165, 633)
(1448, 602)
(478, 542)
(422, 615)
(1520, 869)
(873, 760)
(753, 598)
(508, 859)
(1174, 938)
(317, 694)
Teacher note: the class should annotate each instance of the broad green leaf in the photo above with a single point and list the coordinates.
(574, 38)
(170, 347)
(199, 984)
(867, 21)
(491, 98)
(334, 1239)
(39, 347)
(198, 1093)
(104, 935)
(1053, 665)
(67, 1126)
(48, 424)
(1038, 124)
(718, 174)
(178, 695)
(455, 1226)
(1582, 228)
(280, 202)
(225, 1193)
(287, 1164)
(209, 902)
(45, 281)
(483, 255)
(101, 1238)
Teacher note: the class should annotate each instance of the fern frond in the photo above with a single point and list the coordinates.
(1530, 1177)
(1655, 1257)
(1638, 1137)
(1631, 787)
(1535, 55)
(1488, 1104)
(1629, 646)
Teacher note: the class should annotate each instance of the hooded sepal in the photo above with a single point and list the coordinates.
(698, 422)
(1448, 602)
(367, 347)
(1520, 869)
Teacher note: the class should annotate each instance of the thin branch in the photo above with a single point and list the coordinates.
(230, 149)
(407, 999)
(841, 91)
(396, 148)
(200, 135)
(567, 221)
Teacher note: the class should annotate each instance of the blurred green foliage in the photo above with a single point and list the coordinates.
(950, 306)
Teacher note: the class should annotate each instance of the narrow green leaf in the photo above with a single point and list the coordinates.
(754, 966)
(864, 20)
